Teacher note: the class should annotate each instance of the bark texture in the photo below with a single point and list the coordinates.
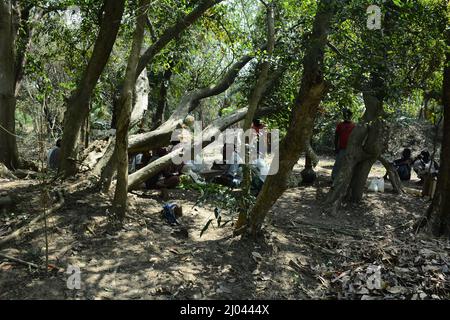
(8, 142)
(124, 114)
(311, 93)
(366, 144)
(78, 104)
(437, 218)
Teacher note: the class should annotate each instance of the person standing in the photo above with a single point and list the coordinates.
(341, 137)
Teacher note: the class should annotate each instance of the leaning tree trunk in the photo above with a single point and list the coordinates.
(212, 130)
(161, 136)
(106, 167)
(124, 115)
(8, 144)
(437, 218)
(78, 104)
(311, 93)
(255, 98)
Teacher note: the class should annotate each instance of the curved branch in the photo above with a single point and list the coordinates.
(161, 136)
(174, 31)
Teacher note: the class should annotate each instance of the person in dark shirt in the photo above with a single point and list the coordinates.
(54, 155)
(404, 165)
(341, 137)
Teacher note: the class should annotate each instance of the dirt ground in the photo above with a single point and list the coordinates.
(368, 251)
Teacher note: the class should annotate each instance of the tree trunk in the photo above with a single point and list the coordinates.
(161, 136)
(8, 144)
(311, 93)
(393, 175)
(158, 116)
(78, 104)
(256, 95)
(365, 146)
(140, 105)
(437, 218)
(373, 148)
(308, 174)
(124, 114)
(24, 36)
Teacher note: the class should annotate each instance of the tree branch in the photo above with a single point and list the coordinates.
(174, 31)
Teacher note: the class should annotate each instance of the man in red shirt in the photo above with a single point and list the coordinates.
(342, 134)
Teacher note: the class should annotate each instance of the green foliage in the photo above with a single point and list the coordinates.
(227, 204)
(406, 55)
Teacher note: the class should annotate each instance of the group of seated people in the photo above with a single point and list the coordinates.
(167, 178)
(232, 171)
(422, 165)
(228, 173)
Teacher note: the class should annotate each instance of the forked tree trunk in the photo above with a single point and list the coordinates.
(373, 148)
(437, 218)
(124, 114)
(106, 167)
(311, 93)
(8, 142)
(78, 104)
(366, 144)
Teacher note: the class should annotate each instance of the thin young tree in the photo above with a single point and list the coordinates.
(124, 114)
(256, 95)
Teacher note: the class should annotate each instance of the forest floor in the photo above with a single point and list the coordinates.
(367, 251)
